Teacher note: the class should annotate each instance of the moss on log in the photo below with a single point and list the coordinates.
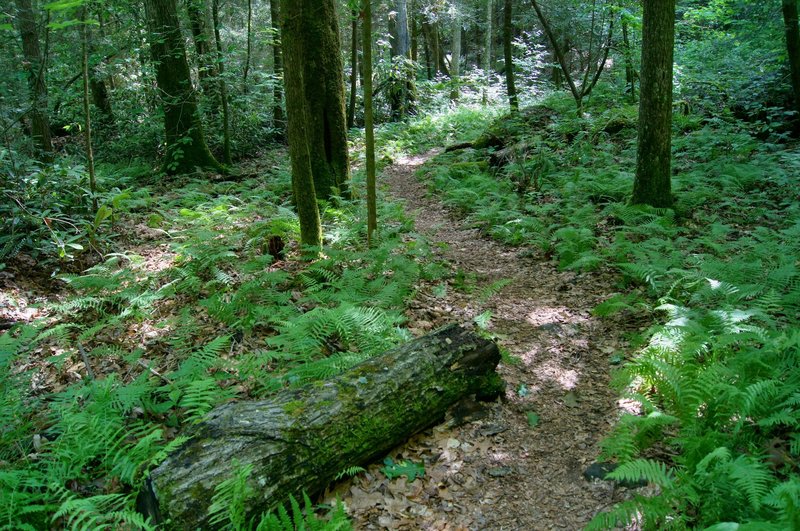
(300, 439)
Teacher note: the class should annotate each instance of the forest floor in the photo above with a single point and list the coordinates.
(518, 463)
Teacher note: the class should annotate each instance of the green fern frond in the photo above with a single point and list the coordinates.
(644, 469)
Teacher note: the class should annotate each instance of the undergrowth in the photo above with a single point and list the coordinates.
(205, 317)
(716, 375)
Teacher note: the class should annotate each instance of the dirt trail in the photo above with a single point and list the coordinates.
(499, 472)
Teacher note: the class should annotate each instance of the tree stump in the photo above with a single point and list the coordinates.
(300, 439)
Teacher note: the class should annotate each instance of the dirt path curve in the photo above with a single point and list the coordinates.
(498, 472)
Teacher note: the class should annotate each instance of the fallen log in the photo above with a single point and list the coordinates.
(300, 439)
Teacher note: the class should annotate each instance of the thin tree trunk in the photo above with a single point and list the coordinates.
(186, 144)
(455, 62)
(414, 32)
(652, 184)
(294, 43)
(402, 90)
(206, 67)
(223, 87)
(487, 51)
(278, 120)
(351, 108)
(630, 69)
(793, 46)
(249, 45)
(87, 112)
(369, 134)
(511, 88)
(35, 66)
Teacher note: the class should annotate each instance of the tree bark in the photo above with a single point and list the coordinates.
(223, 87)
(36, 70)
(293, 42)
(402, 90)
(369, 130)
(324, 96)
(87, 110)
(652, 185)
(793, 46)
(186, 144)
(351, 106)
(455, 62)
(300, 439)
(511, 87)
(206, 60)
(630, 69)
(278, 119)
(246, 69)
(487, 51)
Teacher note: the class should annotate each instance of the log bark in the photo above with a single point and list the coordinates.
(301, 439)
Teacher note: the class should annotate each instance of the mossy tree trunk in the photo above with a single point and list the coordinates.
(301, 439)
(511, 87)
(317, 44)
(652, 185)
(793, 46)
(186, 144)
(36, 70)
(296, 53)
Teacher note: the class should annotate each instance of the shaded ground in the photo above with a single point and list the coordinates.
(495, 470)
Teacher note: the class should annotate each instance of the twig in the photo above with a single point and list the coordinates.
(86, 361)
(153, 371)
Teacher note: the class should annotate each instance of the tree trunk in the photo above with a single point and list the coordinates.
(630, 69)
(401, 90)
(246, 69)
(487, 51)
(511, 88)
(186, 144)
(324, 95)
(369, 131)
(793, 46)
(455, 62)
(300, 439)
(206, 60)
(652, 185)
(351, 107)
(223, 88)
(35, 66)
(412, 21)
(87, 110)
(278, 120)
(294, 43)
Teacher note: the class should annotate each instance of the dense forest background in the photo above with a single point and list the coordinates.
(190, 216)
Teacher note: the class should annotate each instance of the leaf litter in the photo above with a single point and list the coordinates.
(519, 463)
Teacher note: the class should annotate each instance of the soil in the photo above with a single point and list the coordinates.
(516, 464)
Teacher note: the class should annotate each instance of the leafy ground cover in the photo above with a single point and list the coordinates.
(199, 304)
(713, 381)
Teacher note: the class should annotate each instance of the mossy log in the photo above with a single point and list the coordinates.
(300, 439)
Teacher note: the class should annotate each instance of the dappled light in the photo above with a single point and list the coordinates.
(415, 264)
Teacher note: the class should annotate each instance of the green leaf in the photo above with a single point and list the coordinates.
(533, 419)
(402, 468)
(103, 213)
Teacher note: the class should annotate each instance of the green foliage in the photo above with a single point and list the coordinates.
(411, 470)
(716, 383)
